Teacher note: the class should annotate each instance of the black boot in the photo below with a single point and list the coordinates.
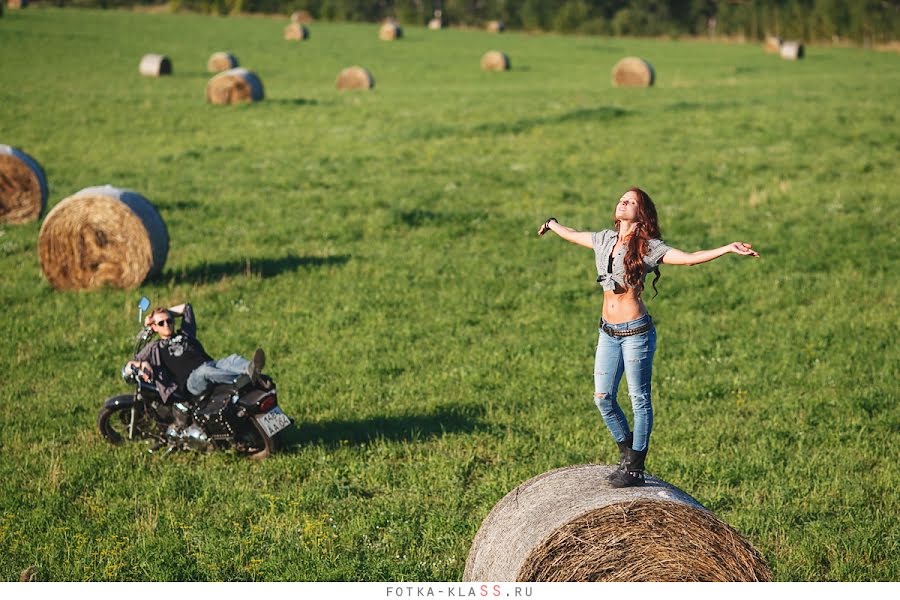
(633, 473)
(623, 448)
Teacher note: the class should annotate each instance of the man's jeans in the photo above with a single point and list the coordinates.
(633, 356)
(224, 370)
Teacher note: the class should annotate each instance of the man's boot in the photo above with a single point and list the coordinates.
(633, 473)
(623, 448)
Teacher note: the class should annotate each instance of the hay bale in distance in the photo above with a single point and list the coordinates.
(301, 16)
(102, 236)
(16, 4)
(23, 187)
(495, 60)
(233, 87)
(390, 30)
(155, 65)
(570, 525)
(221, 61)
(633, 72)
(355, 78)
(296, 32)
(436, 23)
(496, 26)
(772, 45)
(791, 50)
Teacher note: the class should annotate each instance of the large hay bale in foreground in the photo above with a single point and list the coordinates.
(390, 31)
(496, 26)
(102, 236)
(155, 65)
(791, 50)
(495, 60)
(233, 87)
(301, 16)
(355, 78)
(221, 61)
(570, 525)
(633, 72)
(296, 32)
(23, 187)
(772, 45)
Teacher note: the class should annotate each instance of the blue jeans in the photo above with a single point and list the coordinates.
(633, 357)
(224, 370)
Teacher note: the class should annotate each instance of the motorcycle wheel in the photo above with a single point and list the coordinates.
(113, 423)
(268, 445)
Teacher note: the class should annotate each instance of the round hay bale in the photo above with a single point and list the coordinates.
(102, 236)
(302, 17)
(633, 72)
(436, 23)
(570, 525)
(23, 187)
(495, 26)
(772, 45)
(355, 78)
(791, 50)
(495, 61)
(296, 32)
(390, 31)
(233, 87)
(15, 4)
(155, 65)
(221, 61)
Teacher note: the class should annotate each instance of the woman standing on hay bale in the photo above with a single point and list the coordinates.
(627, 338)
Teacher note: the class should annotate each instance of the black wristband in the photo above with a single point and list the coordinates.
(547, 222)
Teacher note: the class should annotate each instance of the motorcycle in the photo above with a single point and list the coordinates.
(239, 415)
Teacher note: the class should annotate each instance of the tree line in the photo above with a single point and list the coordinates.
(860, 21)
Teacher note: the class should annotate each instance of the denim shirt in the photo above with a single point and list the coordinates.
(604, 241)
(165, 383)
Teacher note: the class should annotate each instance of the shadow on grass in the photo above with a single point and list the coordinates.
(250, 267)
(581, 115)
(445, 419)
(294, 101)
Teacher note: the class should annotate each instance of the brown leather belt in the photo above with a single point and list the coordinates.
(626, 332)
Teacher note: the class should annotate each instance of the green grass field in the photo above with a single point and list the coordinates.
(434, 351)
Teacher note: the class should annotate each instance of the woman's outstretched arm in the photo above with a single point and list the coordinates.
(582, 238)
(677, 257)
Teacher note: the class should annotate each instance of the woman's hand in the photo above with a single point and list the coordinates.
(742, 248)
(546, 226)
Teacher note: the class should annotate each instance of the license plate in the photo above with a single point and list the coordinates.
(273, 421)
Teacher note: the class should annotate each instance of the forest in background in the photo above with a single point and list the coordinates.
(863, 22)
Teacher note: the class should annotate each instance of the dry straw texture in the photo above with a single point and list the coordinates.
(772, 45)
(23, 187)
(791, 50)
(355, 78)
(435, 23)
(301, 16)
(569, 525)
(102, 236)
(154, 65)
(296, 32)
(390, 31)
(495, 61)
(633, 72)
(233, 87)
(221, 61)
(495, 26)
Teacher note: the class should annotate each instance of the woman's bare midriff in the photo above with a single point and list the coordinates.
(622, 305)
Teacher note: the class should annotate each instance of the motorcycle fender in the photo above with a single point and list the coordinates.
(253, 398)
(119, 402)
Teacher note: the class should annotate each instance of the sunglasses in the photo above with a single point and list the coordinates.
(166, 322)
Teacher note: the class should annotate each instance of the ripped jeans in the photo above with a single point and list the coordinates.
(633, 356)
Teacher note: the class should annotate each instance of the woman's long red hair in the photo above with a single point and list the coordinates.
(637, 245)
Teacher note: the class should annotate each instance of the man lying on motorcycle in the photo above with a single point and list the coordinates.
(178, 362)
